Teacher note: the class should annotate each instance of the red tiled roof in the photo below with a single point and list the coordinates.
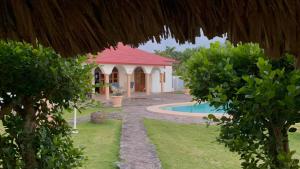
(128, 55)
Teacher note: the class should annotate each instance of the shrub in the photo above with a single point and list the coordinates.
(261, 97)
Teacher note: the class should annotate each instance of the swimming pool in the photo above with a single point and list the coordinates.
(193, 108)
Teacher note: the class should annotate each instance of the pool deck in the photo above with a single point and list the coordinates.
(158, 109)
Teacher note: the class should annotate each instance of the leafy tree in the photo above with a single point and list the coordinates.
(261, 98)
(35, 85)
(179, 56)
(168, 52)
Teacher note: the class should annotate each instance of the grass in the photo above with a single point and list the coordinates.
(88, 110)
(182, 146)
(101, 142)
(295, 143)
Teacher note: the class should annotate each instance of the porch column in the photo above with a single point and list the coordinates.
(128, 85)
(106, 82)
(147, 83)
(161, 82)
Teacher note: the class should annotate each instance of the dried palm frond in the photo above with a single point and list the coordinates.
(80, 26)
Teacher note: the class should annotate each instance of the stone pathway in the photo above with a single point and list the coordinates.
(136, 150)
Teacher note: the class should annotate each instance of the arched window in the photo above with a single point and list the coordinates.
(114, 76)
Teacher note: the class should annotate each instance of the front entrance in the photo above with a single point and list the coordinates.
(139, 80)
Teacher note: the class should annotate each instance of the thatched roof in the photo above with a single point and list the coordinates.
(81, 26)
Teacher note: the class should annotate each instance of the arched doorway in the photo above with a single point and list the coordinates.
(139, 80)
(99, 81)
(114, 78)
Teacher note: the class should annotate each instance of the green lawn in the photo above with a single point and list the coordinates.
(182, 146)
(88, 110)
(295, 143)
(101, 142)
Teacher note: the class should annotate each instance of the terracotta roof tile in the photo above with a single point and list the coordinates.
(123, 54)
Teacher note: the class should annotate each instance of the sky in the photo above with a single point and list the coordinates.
(202, 41)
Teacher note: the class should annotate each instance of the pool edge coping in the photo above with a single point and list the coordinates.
(157, 109)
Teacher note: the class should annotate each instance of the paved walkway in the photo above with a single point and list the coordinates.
(136, 150)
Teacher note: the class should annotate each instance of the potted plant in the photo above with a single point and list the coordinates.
(117, 97)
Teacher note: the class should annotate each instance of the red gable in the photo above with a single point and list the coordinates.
(128, 55)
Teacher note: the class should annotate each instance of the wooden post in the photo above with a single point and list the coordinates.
(147, 83)
(106, 82)
(128, 85)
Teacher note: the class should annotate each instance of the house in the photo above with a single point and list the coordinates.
(133, 70)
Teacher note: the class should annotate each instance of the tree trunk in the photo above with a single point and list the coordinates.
(298, 62)
(28, 149)
(285, 141)
(279, 143)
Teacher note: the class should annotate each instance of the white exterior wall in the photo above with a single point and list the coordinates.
(107, 68)
(168, 85)
(155, 81)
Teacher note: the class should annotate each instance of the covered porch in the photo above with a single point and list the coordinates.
(131, 78)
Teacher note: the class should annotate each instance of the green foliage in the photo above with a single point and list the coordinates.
(261, 96)
(36, 85)
(179, 56)
(169, 52)
(211, 119)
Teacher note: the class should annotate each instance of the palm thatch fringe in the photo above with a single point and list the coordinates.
(80, 26)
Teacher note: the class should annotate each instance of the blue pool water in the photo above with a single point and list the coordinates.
(195, 108)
